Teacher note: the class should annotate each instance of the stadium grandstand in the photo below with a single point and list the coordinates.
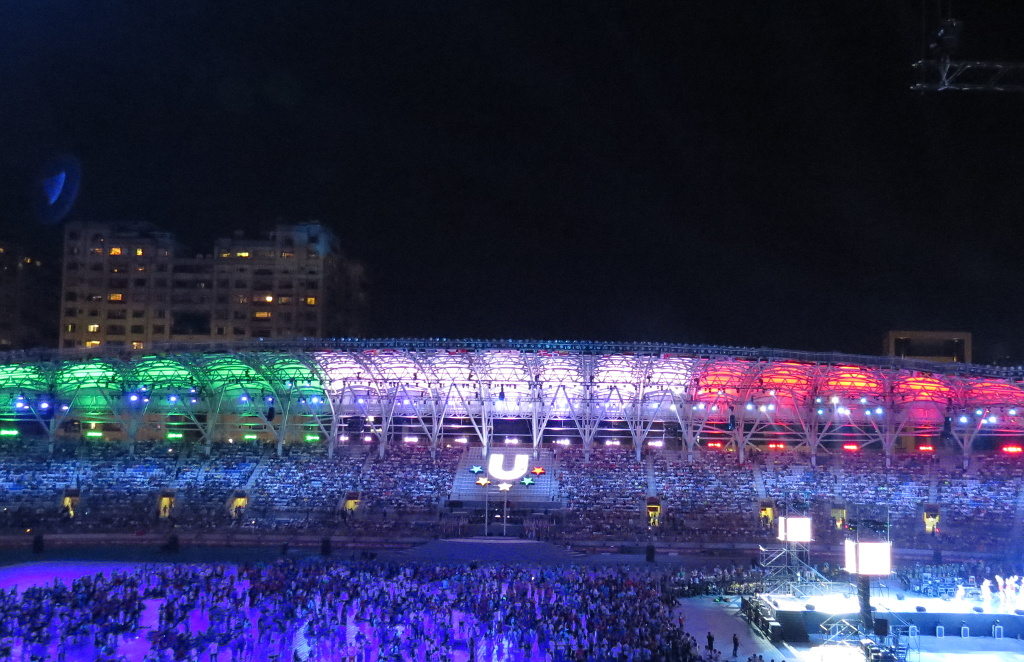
(313, 430)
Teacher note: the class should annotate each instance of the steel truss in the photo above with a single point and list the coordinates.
(787, 572)
(436, 389)
(943, 74)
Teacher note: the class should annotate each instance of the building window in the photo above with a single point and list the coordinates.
(238, 315)
(116, 314)
(138, 328)
(71, 296)
(220, 330)
(138, 314)
(98, 250)
(238, 331)
(262, 314)
(93, 328)
(92, 343)
(70, 312)
(115, 330)
(140, 252)
(242, 254)
(115, 296)
(287, 254)
(158, 328)
(160, 314)
(284, 299)
(71, 328)
(138, 344)
(115, 250)
(69, 343)
(310, 301)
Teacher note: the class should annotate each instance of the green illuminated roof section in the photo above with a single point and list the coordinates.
(97, 374)
(27, 377)
(228, 374)
(161, 372)
(289, 374)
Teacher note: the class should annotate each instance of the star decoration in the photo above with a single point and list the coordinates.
(526, 480)
(538, 470)
(483, 480)
(477, 469)
(504, 487)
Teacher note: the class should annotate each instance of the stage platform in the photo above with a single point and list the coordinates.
(801, 618)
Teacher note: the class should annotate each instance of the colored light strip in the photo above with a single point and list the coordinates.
(1014, 449)
(174, 435)
(250, 436)
(8, 433)
(851, 447)
(312, 437)
(94, 434)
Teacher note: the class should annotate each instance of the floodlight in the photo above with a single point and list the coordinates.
(869, 558)
(795, 529)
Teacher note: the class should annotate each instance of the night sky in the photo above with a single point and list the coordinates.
(739, 173)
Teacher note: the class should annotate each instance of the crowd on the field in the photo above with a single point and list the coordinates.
(361, 611)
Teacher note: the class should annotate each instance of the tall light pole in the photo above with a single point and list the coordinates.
(504, 487)
(484, 481)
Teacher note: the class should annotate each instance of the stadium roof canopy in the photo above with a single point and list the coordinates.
(744, 395)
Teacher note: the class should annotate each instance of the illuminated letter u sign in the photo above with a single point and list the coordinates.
(496, 466)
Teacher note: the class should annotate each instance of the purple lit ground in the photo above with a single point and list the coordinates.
(701, 616)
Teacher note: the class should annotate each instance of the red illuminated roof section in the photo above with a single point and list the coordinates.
(922, 388)
(722, 377)
(989, 392)
(851, 382)
(788, 380)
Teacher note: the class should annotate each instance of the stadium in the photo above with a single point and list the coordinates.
(599, 448)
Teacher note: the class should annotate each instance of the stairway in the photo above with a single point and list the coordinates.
(762, 491)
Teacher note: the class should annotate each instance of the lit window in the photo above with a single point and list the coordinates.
(242, 254)
(115, 296)
(115, 250)
(287, 254)
(269, 298)
(263, 314)
(310, 301)
(137, 344)
(71, 328)
(93, 328)
(139, 251)
(225, 253)
(92, 343)
(284, 299)
(97, 250)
